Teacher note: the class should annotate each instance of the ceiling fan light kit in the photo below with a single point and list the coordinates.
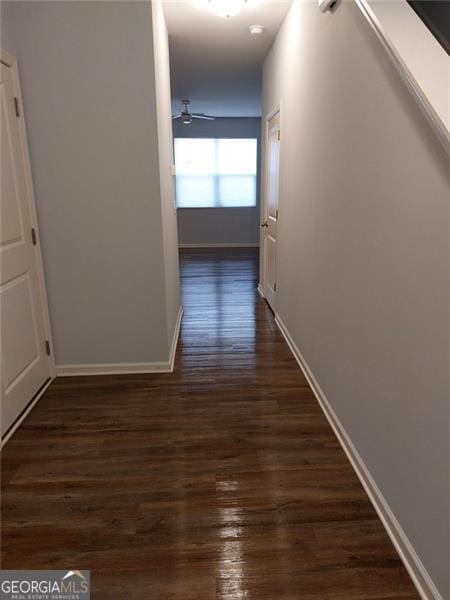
(325, 5)
(186, 116)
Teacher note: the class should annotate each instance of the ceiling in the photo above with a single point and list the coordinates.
(215, 62)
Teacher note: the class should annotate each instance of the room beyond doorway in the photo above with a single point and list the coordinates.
(216, 67)
(218, 201)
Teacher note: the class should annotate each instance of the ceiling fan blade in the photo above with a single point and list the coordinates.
(177, 117)
(202, 116)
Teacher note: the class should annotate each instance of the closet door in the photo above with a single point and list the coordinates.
(26, 365)
(270, 225)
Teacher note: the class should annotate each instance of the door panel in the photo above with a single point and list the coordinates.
(272, 196)
(25, 364)
(19, 331)
(271, 258)
(11, 227)
(271, 222)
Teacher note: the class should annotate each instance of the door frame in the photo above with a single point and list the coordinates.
(264, 188)
(10, 61)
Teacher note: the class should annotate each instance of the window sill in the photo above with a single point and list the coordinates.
(216, 207)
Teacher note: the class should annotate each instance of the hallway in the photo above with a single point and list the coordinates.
(221, 480)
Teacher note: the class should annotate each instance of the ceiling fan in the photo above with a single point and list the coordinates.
(186, 116)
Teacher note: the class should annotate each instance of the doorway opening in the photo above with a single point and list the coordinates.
(220, 142)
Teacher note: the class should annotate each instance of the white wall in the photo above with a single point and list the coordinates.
(362, 279)
(205, 226)
(87, 72)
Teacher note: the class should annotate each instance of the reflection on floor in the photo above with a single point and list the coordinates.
(222, 480)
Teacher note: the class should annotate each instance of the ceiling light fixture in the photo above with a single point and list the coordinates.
(227, 8)
(256, 29)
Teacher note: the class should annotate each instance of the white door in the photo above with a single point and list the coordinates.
(271, 220)
(25, 365)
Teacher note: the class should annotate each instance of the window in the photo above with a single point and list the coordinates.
(215, 172)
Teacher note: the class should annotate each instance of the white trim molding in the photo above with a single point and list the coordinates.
(412, 562)
(228, 245)
(260, 290)
(112, 369)
(175, 338)
(125, 368)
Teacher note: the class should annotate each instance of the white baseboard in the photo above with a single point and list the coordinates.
(29, 408)
(412, 562)
(260, 290)
(176, 335)
(112, 369)
(233, 245)
(125, 368)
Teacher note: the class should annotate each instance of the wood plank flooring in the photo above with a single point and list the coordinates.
(222, 480)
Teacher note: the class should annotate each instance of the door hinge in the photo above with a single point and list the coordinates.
(276, 215)
(33, 236)
(16, 106)
(274, 287)
(279, 135)
(47, 348)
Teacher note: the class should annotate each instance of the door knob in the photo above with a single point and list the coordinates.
(265, 224)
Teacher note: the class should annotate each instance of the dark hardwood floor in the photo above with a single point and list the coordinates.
(222, 480)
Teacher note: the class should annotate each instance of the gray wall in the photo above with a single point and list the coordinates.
(219, 225)
(165, 144)
(363, 258)
(88, 82)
